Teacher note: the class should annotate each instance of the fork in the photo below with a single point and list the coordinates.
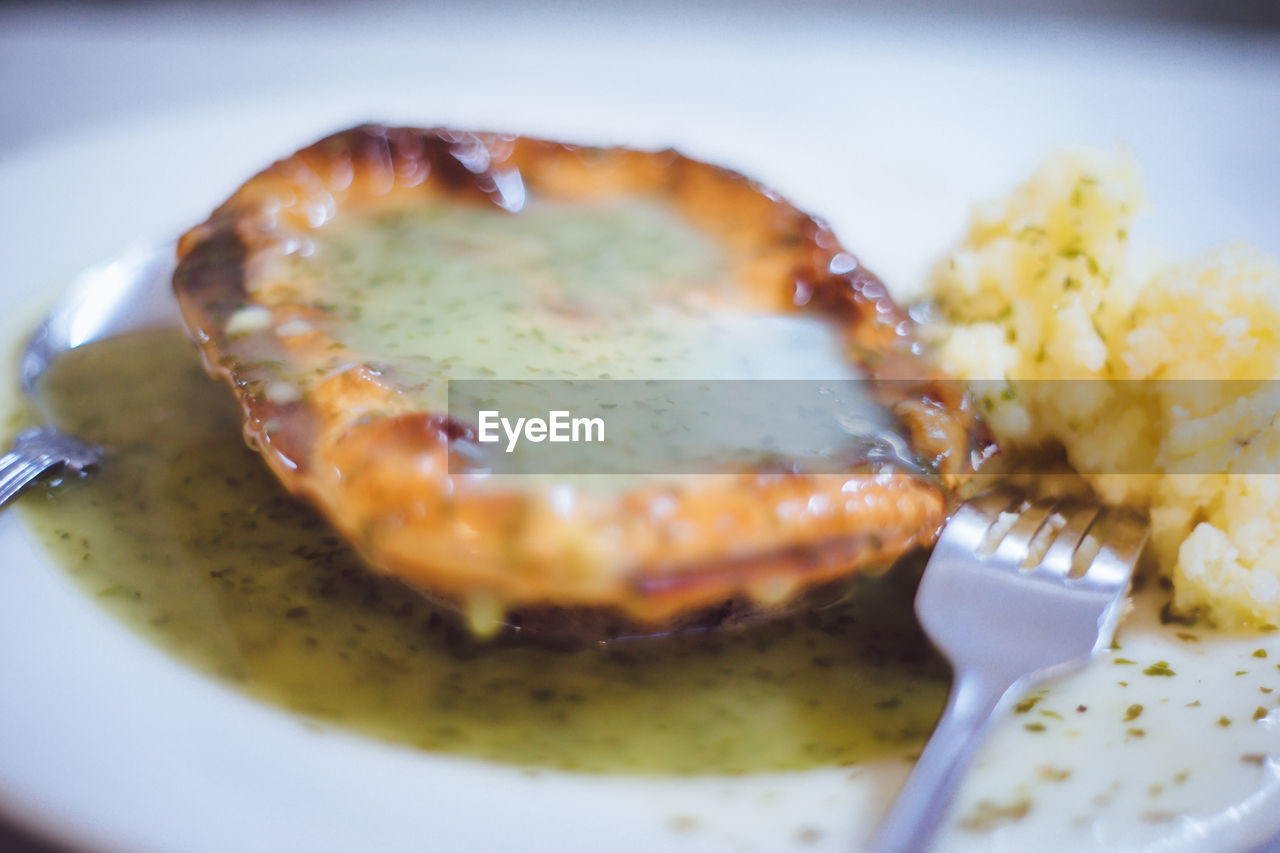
(1015, 593)
(39, 450)
(127, 293)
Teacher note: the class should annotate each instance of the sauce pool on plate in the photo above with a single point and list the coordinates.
(186, 537)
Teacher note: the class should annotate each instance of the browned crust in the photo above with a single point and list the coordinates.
(378, 469)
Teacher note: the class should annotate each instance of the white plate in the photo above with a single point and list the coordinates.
(105, 742)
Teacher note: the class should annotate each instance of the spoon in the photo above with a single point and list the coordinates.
(126, 294)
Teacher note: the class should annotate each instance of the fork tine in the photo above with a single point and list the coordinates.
(1120, 549)
(1016, 544)
(1061, 554)
(972, 522)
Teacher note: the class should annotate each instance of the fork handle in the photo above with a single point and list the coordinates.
(18, 469)
(922, 803)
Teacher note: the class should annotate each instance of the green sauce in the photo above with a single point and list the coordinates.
(187, 538)
(619, 289)
(591, 290)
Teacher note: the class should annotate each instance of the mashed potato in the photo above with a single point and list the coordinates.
(1045, 286)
